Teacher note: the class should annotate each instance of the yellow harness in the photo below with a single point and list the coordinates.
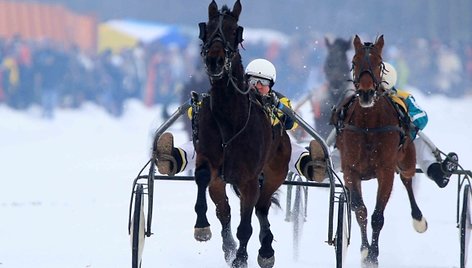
(399, 98)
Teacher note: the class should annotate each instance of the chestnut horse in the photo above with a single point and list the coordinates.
(374, 144)
(236, 143)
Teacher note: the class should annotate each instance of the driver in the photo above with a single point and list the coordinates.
(260, 75)
(439, 172)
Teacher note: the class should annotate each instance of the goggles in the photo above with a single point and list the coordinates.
(254, 80)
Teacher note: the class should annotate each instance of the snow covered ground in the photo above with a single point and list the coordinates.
(66, 184)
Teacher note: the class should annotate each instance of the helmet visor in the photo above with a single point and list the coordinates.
(254, 80)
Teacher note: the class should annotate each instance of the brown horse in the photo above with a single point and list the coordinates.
(236, 143)
(373, 144)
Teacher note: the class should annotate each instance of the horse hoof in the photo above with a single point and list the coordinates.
(202, 234)
(230, 252)
(367, 264)
(229, 257)
(364, 254)
(420, 225)
(238, 263)
(266, 262)
(370, 258)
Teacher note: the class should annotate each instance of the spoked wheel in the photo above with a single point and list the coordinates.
(150, 193)
(342, 231)
(465, 226)
(298, 218)
(137, 227)
(288, 206)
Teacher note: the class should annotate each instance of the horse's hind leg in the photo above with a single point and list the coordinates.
(266, 257)
(223, 212)
(202, 230)
(419, 222)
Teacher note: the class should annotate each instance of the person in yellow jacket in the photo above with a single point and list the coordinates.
(260, 75)
(10, 67)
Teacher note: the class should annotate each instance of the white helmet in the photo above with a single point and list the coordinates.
(389, 76)
(262, 68)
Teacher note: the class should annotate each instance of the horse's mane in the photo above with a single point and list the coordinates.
(225, 10)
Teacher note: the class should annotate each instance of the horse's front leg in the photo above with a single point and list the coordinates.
(249, 195)
(266, 257)
(358, 206)
(217, 192)
(202, 230)
(385, 181)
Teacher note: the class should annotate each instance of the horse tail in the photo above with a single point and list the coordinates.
(236, 190)
(275, 199)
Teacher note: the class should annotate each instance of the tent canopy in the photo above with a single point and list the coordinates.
(119, 34)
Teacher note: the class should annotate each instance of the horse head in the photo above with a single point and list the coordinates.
(367, 67)
(336, 67)
(221, 36)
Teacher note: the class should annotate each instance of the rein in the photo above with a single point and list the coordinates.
(225, 142)
(231, 52)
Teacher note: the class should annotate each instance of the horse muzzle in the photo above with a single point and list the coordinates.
(367, 97)
(215, 67)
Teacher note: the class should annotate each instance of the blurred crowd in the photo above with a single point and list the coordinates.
(51, 75)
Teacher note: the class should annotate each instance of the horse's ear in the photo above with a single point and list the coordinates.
(357, 42)
(379, 44)
(327, 42)
(212, 9)
(237, 9)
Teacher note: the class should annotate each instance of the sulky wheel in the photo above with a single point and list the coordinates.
(137, 227)
(342, 231)
(150, 194)
(465, 226)
(298, 218)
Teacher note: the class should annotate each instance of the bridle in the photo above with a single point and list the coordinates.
(368, 50)
(372, 93)
(231, 50)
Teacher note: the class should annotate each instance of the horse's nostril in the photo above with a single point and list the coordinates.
(366, 96)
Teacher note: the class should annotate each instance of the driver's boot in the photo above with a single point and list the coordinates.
(166, 163)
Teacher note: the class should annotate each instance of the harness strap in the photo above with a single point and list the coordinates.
(367, 130)
(403, 118)
(344, 126)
